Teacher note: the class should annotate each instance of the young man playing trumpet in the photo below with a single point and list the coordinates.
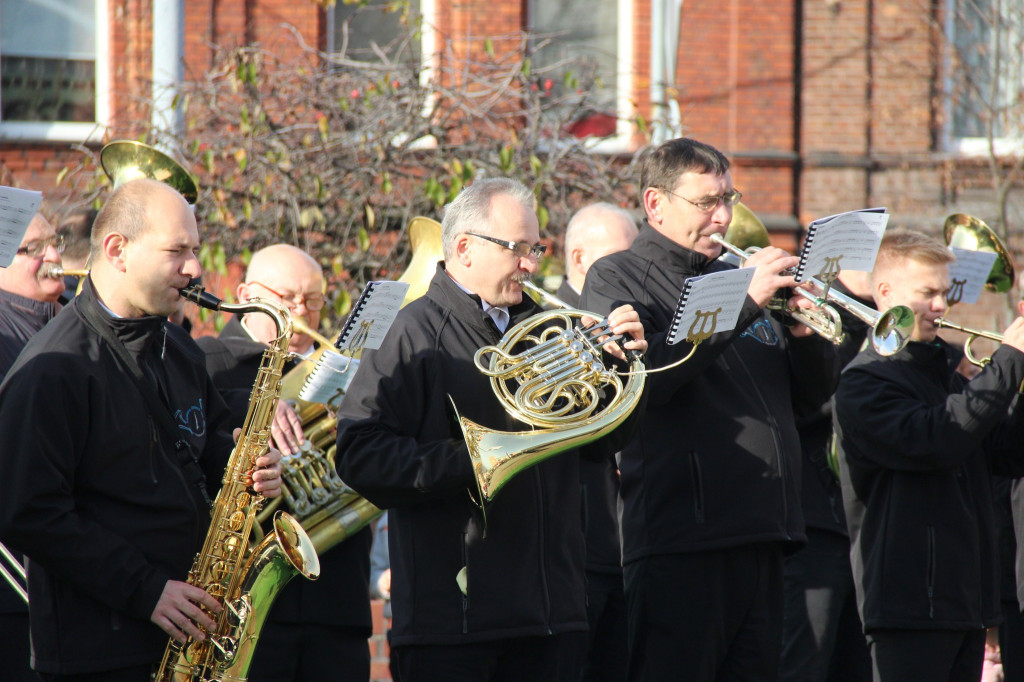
(918, 444)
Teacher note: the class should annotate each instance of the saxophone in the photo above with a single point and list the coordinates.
(245, 580)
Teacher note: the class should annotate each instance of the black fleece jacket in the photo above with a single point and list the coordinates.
(715, 459)
(94, 492)
(918, 447)
(401, 447)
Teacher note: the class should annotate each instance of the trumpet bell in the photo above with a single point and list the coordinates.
(963, 231)
(892, 330)
(126, 160)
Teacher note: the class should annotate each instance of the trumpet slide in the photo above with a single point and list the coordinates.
(890, 330)
(972, 336)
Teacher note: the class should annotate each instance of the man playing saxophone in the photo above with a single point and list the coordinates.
(470, 601)
(110, 499)
(317, 630)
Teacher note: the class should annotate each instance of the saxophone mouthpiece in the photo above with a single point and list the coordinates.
(195, 292)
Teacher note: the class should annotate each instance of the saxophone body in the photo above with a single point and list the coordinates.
(245, 580)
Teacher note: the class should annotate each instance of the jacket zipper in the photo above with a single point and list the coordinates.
(698, 487)
(540, 543)
(465, 595)
(931, 571)
(770, 418)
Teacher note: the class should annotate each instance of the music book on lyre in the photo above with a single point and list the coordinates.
(845, 241)
(17, 208)
(709, 304)
(371, 316)
(968, 274)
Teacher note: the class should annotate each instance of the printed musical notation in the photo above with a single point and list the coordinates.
(17, 208)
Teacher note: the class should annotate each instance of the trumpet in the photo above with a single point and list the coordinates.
(972, 336)
(890, 330)
(54, 271)
(13, 573)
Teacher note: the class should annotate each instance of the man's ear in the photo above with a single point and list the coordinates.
(114, 247)
(652, 201)
(463, 250)
(242, 293)
(576, 261)
(1020, 307)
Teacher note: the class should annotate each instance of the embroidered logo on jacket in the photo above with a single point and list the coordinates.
(762, 332)
(192, 420)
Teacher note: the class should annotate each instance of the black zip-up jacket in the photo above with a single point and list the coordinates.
(400, 446)
(339, 595)
(918, 446)
(95, 493)
(715, 460)
(21, 318)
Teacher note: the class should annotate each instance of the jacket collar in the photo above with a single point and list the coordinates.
(40, 310)
(667, 254)
(937, 355)
(468, 307)
(138, 334)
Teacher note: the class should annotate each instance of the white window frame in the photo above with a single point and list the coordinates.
(972, 146)
(68, 131)
(620, 142)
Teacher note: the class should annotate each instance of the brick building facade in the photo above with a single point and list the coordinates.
(824, 105)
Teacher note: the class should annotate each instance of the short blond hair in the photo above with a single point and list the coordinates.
(899, 246)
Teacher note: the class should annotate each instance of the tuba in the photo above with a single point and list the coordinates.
(547, 372)
(246, 580)
(327, 508)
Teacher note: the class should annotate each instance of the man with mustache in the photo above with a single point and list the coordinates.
(471, 601)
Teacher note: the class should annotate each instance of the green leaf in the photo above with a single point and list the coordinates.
(342, 304)
(385, 183)
(364, 239)
(543, 217)
(489, 47)
(536, 165)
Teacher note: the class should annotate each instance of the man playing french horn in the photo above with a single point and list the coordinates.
(471, 600)
(111, 501)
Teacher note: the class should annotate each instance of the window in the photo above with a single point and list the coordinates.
(593, 37)
(987, 79)
(360, 31)
(53, 75)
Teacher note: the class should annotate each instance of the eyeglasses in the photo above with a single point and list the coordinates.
(519, 249)
(313, 302)
(709, 204)
(36, 248)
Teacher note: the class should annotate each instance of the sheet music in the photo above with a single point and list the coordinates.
(710, 304)
(329, 379)
(845, 241)
(372, 315)
(17, 208)
(968, 274)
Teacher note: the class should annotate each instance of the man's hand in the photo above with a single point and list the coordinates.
(1014, 334)
(769, 264)
(623, 320)
(178, 611)
(384, 584)
(286, 430)
(802, 304)
(266, 478)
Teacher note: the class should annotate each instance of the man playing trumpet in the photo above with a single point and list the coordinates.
(918, 444)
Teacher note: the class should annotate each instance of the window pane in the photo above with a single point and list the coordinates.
(579, 39)
(47, 60)
(381, 23)
(989, 54)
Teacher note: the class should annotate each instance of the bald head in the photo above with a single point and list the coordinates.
(285, 274)
(592, 233)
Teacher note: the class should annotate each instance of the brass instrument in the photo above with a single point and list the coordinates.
(967, 232)
(13, 573)
(54, 271)
(559, 380)
(328, 509)
(125, 160)
(245, 580)
(890, 330)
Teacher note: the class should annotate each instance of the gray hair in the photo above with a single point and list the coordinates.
(471, 209)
